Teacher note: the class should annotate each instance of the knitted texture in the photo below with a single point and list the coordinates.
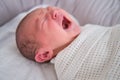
(93, 55)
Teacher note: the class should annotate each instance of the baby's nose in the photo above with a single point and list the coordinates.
(55, 14)
(53, 11)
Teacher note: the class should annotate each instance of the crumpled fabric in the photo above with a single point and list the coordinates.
(93, 55)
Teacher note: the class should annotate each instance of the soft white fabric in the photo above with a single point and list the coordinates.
(102, 12)
(13, 66)
(93, 55)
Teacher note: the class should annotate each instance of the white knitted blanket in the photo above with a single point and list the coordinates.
(93, 55)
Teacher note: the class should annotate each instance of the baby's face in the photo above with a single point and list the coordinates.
(52, 26)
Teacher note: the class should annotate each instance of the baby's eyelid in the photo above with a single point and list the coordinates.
(44, 22)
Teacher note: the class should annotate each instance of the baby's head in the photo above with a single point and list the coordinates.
(44, 32)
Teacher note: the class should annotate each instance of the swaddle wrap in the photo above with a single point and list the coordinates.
(93, 55)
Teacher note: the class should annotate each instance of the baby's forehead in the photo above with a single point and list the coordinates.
(30, 18)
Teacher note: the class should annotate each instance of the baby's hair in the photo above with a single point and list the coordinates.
(28, 48)
(27, 45)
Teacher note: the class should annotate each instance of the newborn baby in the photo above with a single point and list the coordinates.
(91, 52)
(44, 32)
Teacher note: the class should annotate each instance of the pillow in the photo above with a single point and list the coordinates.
(101, 12)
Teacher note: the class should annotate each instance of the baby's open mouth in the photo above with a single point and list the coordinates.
(65, 23)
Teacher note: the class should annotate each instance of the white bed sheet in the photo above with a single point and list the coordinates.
(13, 66)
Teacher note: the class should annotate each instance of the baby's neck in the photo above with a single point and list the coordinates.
(57, 50)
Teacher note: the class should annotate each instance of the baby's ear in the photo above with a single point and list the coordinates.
(43, 54)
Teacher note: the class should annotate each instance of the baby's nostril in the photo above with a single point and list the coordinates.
(55, 14)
